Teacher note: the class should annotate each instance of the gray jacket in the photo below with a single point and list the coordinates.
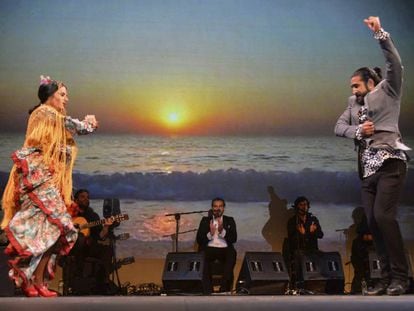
(383, 104)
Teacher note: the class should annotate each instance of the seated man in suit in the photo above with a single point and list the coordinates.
(215, 236)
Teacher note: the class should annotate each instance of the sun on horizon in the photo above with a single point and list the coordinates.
(174, 118)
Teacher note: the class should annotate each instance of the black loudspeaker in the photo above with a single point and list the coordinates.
(263, 273)
(6, 285)
(375, 265)
(184, 273)
(111, 207)
(323, 272)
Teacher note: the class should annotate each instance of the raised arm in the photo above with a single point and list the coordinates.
(86, 126)
(393, 65)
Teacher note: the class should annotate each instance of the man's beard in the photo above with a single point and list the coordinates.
(360, 98)
(302, 212)
(217, 214)
(83, 208)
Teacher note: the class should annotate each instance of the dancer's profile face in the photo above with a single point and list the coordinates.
(360, 88)
(59, 99)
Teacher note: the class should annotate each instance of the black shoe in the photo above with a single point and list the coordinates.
(397, 288)
(379, 289)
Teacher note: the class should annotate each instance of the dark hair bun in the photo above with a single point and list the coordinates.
(378, 71)
(46, 90)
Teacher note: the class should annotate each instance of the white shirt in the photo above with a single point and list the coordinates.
(217, 240)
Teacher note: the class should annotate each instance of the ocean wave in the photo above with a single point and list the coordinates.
(232, 184)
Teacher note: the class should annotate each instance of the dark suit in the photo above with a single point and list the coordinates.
(225, 255)
(301, 244)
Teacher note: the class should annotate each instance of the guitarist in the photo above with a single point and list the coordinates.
(97, 233)
(90, 246)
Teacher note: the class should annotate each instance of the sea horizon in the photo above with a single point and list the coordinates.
(197, 168)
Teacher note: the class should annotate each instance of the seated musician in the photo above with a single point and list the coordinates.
(90, 242)
(215, 236)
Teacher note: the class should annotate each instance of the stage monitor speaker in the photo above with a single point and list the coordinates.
(375, 265)
(6, 285)
(323, 272)
(263, 273)
(111, 207)
(184, 273)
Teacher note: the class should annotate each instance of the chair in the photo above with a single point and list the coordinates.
(217, 270)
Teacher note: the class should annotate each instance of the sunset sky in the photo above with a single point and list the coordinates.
(193, 67)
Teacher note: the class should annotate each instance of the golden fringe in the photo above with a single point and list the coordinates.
(8, 201)
(45, 131)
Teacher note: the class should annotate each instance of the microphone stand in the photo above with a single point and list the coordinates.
(172, 236)
(346, 233)
(177, 217)
(114, 273)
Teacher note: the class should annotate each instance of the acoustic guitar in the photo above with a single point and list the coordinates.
(83, 225)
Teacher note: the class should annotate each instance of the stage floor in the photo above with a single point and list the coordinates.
(216, 303)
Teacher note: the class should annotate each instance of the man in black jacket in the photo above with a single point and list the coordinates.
(92, 246)
(303, 228)
(304, 231)
(215, 236)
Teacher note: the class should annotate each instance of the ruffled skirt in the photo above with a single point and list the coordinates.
(42, 222)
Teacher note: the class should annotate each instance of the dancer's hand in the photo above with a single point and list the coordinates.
(90, 118)
(367, 128)
(373, 23)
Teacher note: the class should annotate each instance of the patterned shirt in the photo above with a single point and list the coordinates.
(373, 158)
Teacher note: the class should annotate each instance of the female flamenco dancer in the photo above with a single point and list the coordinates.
(39, 189)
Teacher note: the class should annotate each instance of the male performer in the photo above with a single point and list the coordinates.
(215, 236)
(303, 231)
(371, 118)
(90, 246)
(303, 228)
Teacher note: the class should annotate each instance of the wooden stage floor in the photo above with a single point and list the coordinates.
(215, 303)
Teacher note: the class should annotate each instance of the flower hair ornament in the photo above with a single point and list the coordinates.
(45, 80)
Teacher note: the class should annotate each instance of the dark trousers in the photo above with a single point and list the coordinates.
(360, 262)
(295, 267)
(380, 195)
(88, 260)
(227, 256)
